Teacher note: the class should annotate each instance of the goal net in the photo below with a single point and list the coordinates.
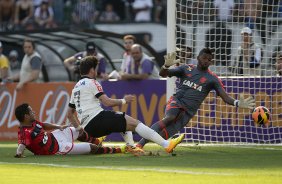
(246, 37)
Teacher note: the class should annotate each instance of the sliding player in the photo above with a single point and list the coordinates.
(32, 135)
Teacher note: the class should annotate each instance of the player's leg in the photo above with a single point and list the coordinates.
(161, 127)
(148, 133)
(84, 137)
(87, 148)
(173, 112)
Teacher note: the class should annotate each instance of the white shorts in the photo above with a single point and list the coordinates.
(66, 143)
(65, 139)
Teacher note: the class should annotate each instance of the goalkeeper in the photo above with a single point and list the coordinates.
(196, 81)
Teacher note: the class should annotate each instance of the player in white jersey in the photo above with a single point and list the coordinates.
(85, 100)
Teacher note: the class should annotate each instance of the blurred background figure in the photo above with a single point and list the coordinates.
(140, 66)
(44, 15)
(159, 10)
(4, 66)
(7, 14)
(24, 14)
(219, 38)
(15, 65)
(224, 9)
(249, 55)
(84, 13)
(109, 15)
(72, 62)
(142, 10)
(30, 67)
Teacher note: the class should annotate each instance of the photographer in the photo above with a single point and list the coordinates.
(72, 62)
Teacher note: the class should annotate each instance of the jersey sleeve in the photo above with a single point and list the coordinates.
(218, 85)
(96, 88)
(178, 71)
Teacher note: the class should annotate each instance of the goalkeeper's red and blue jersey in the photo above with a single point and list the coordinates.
(37, 140)
(194, 86)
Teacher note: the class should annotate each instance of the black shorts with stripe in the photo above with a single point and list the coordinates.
(105, 123)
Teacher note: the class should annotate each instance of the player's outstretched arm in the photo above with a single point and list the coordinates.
(20, 151)
(72, 118)
(50, 126)
(110, 102)
(242, 102)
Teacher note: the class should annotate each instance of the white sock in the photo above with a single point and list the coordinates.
(151, 135)
(128, 138)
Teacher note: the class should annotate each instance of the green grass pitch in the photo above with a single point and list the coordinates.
(192, 164)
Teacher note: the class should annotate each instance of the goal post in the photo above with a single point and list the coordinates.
(221, 25)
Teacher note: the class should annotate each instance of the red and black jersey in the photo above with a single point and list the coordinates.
(37, 140)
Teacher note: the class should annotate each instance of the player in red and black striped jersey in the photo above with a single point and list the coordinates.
(195, 83)
(34, 136)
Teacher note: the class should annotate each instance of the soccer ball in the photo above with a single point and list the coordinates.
(261, 115)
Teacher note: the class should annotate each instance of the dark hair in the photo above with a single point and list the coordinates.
(131, 37)
(206, 51)
(20, 111)
(87, 63)
(30, 41)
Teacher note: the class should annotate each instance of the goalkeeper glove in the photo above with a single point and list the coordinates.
(170, 59)
(245, 103)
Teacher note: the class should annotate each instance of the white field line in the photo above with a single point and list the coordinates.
(125, 169)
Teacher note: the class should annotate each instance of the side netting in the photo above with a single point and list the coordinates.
(246, 36)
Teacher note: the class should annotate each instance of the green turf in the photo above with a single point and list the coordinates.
(232, 165)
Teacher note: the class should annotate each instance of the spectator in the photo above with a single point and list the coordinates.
(4, 65)
(119, 6)
(70, 62)
(15, 65)
(219, 38)
(58, 7)
(140, 67)
(44, 15)
(255, 17)
(159, 10)
(185, 55)
(36, 3)
(31, 65)
(109, 15)
(142, 10)
(7, 14)
(24, 14)
(224, 9)
(84, 13)
(128, 41)
(249, 55)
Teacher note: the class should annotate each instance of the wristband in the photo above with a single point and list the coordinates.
(236, 103)
(123, 101)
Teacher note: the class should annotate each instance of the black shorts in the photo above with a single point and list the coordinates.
(105, 123)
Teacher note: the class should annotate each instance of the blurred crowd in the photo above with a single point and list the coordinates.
(38, 14)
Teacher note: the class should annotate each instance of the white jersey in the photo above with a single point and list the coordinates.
(85, 98)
